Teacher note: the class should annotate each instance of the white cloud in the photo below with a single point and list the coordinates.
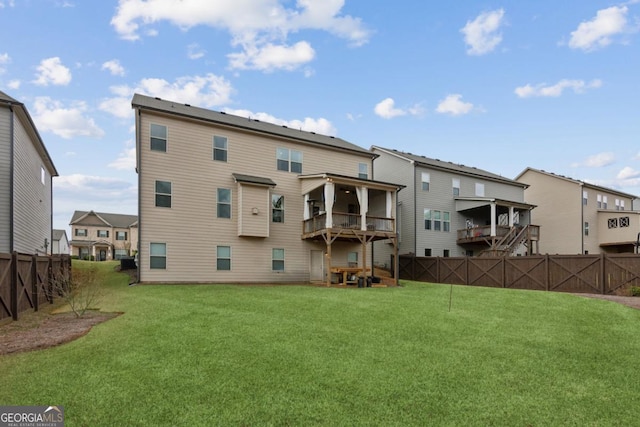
(598, 32)
(481, 34)
(114, 67)
(64, 121)
(271, 57)
(597, 160)
(125, 161)
(260, 27)
(14, 84)
(51, 71)
(321, 125)
(4, 60)
(194, 51)
(454, 105)
(578, 86)
(387, 109)
(627, 173)
(203, 91)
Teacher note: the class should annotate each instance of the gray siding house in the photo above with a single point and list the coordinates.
(229, 199)
(26, 172)
(448, 209)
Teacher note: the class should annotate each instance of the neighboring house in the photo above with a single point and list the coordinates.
(26, 172)
(103, 236)
(448, 209)
(224, 198)
(60, 242)
(581, 218)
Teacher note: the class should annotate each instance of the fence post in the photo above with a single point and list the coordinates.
(547, 273)
(14, 285)
(34, 281)
(603, 258)
(504, 271)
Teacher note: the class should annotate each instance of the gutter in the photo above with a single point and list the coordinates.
(11, 179)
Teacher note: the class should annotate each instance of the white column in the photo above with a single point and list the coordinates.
(329, 191)
(511, 212)
(363, 199)
(307, 208)
(493, 219)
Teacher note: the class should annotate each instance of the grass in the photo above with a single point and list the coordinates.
(296, 355)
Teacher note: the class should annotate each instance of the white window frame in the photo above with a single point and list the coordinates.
(275, 259)
(223, 151)
(152, 255)
(426, 181)
(274, 209)
(163, 194)
(158, 137)
(479, 189)
(363, 171)
(455, 186)
(293, 159)
(222, 258)
(219, 203)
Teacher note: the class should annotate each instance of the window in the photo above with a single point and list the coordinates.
(427, 219)
(621, 205)
(617, 204)
(289, 160)
(586, 228)
(599, 201)
(163, 194)
(446, 221)
(352, 259)
(220, 148)
(363, 171)
(121, 235)
(277, 208)
(81, 232)
(427, 252)
(158, 138)
(223, 260)
(120, 253)
(445, 253)
(224, 203)
(277, 259)
(455, 183)
(604, 202)
(426, 181)
(103, 233)
(158, 256)
(437, 221)
(479, 189)
(43, 175)
(584, 198)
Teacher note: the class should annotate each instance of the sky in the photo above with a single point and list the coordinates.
(497, 85)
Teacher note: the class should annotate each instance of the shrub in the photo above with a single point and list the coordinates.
(635, 291)
(81, 291)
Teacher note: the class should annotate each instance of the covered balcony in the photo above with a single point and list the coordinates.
(340, 209)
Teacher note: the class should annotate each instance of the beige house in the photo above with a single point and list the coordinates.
(103, 236)
(26, 172)
(578, 217)
(229, 199)
(60, 242)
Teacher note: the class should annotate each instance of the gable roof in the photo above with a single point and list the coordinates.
(449, 166)
(110, 219)
(576, 181)
(57, 235)
(244, 123)
(22, 113)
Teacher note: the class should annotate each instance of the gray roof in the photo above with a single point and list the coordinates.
(57, 234)
(224, 119)
(450, 166)
(22, 112)
(253, 179)
(114, 220)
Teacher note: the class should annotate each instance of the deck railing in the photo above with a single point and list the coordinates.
(348, 221)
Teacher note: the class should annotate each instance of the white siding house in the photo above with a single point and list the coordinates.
(27, 168)
(224, 198)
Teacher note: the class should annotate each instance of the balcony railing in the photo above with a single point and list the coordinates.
(483, 233)
(348, 221)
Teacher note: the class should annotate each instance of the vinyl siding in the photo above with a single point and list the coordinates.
(558, 212)
(191, 229)
(32, 199)
(5, 179)
(393, 169)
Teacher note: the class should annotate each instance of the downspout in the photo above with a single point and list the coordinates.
(373, 244)
(138, 171)
(415, 212)
(581, 219)
(11, 179)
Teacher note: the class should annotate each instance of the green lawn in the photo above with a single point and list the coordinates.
(299, 355)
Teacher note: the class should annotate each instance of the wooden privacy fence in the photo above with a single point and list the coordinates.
(26, 281)
(602, 274)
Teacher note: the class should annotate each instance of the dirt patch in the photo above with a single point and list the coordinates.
(36, 331)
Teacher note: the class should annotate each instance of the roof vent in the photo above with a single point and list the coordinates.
(187, 105)
(159, 99)
(222, 112)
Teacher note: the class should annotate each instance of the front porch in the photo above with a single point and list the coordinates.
(343, 210)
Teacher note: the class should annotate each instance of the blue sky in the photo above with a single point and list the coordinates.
(496, 85)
